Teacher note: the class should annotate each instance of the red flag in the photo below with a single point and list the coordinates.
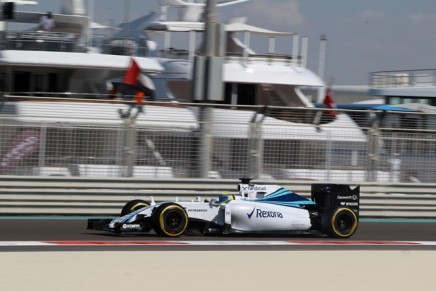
(132, 73)
(329, 102)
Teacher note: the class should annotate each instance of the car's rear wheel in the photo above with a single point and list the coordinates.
(133, 205)
(340, 223)
(170, 219)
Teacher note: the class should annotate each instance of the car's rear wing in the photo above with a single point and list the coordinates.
(330, 196)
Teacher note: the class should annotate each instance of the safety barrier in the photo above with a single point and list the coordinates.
(72, 196)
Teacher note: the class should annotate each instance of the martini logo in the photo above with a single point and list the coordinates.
(264, 214)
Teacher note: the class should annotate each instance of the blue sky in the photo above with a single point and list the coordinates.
(363, 36)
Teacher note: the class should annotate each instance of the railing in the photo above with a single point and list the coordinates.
(70, 42)
(269, 59)
(40, 41)
(102, 197)
(404, 78)
(91, 139)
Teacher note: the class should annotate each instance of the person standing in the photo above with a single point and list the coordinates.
(47, 22)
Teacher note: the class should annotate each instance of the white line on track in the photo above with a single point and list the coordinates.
(215, 243)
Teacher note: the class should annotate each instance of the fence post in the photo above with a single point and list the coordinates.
(373, 148)
(205, 142)
(256, 143)
(328, 155)
(255, 154)
(119, 149)
(42, 146)
(129, 146)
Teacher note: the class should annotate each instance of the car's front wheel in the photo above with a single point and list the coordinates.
(133, 205)
(170, 219)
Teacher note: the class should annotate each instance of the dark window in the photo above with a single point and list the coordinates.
(21, 82)
(246, 94)
(53, 82)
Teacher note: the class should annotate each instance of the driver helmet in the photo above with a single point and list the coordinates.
(224, 198)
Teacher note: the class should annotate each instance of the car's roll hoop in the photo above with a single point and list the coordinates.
(245, 180)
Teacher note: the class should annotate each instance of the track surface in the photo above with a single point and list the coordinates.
(379, 234)
(215, 267)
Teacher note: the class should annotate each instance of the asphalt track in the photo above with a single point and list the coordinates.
(380, 256)
(73, 236)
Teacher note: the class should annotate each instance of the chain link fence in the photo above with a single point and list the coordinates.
(46, 137)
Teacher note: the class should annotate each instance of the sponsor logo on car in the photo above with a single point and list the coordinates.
(353, 197)
(253, 188)
(131, 226)
(197, 210)
(349, 204)
(264, 213)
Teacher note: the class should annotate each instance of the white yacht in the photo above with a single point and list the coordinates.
(250, 77)
(59, 61)
(63, 63)
(408, 92)
(404, 86)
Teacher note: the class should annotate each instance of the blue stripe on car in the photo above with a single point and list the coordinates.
(285, 197)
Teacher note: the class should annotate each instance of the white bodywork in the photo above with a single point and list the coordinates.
(241, 213)
(252, 216)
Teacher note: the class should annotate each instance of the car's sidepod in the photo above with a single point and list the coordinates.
(243, 215)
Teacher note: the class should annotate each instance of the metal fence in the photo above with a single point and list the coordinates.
(47, 137)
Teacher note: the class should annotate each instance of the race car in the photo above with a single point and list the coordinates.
(333, 210)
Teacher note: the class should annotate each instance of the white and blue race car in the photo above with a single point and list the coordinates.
(263, 209)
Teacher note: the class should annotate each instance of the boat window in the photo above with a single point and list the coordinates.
(3, 82)
(405, 100)
(53, 83)
(423, 101)
(246, 94)
(38, 81)
(394, 100)
(21, 82)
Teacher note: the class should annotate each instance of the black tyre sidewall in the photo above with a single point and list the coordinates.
(133, 205)
(160, 216)
(330, 219)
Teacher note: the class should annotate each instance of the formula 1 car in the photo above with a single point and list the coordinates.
(333, 210)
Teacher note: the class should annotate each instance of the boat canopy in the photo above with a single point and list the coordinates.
(177, 26)
(243, 27)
